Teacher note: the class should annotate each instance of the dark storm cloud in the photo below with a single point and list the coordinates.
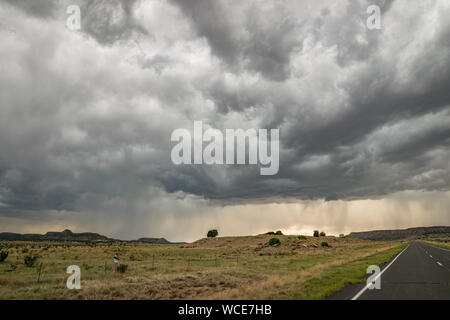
(107, 21)
(362, 113)
(247, 35)
(110, 20)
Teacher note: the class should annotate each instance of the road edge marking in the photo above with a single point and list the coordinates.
(379, 275)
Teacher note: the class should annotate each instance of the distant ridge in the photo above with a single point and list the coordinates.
(399, 234)
(154, 240)
(65, 235)
(68, 235)
(157, 241)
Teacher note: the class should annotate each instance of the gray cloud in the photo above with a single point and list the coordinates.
(86, 117)
(38, 8)
(109, 21)
(247, 35)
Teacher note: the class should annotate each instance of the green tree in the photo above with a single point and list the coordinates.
(316, 233)
(3, 255)
(322, 234)
(212, 233)
(29, 260)
(274, 241)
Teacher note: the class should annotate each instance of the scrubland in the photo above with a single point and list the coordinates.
(212, 268)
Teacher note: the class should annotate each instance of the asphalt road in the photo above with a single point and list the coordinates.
(420, 272)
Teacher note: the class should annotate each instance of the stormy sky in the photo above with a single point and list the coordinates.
(86, 115)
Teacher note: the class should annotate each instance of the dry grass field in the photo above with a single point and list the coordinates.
(212, 268)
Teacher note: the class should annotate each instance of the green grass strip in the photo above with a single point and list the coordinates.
(338, 277)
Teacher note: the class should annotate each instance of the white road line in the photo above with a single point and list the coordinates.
(379, 275)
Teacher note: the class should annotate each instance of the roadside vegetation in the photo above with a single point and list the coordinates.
(440, 244)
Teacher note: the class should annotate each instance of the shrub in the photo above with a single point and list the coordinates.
(342, 235)
(3, 255)
(316, 233)
(29, 260)
(274, 241)
(324, 244)
(12, 267)
(212, 233)
(122, 268)
(25, 250)
(86, 266)
(302, 237)
(322, 234)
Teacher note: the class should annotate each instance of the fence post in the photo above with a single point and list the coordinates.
(39, 276)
